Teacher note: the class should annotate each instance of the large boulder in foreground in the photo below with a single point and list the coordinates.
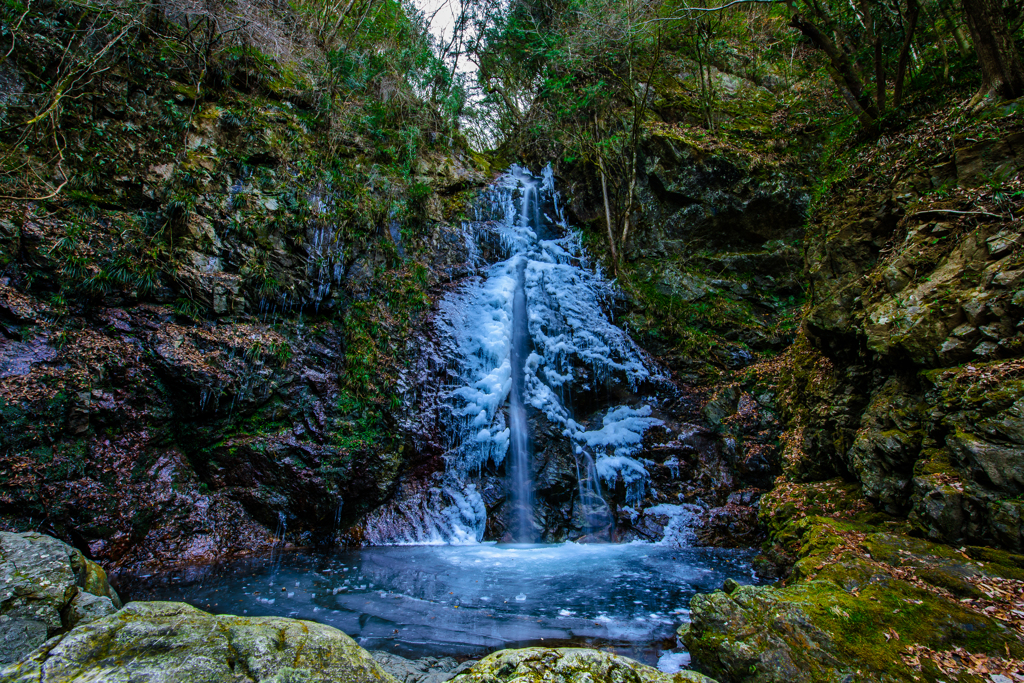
(865, 604)
(170, 642)
(46, 588)
(568, 665)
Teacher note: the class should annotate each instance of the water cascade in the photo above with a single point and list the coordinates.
(521, 340)
(520, 488)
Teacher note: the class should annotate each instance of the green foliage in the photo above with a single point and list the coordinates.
(695, 328)
(361, 425)
(374, 330)
(187, 308)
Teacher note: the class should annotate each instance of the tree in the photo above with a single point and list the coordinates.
(1001, 70)
(857, 40)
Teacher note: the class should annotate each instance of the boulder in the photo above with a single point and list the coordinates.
(168, 642)
(568, 665)
(425, 670)
(46, 588)
(858, 596)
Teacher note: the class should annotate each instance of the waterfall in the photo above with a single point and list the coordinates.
(520, 339)
(520, 489)
(595, 516)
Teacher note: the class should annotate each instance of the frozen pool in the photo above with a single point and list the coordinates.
(472, 599)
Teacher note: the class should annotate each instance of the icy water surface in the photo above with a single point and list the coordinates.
(469, 600)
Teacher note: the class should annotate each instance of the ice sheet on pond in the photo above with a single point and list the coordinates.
(472, 599)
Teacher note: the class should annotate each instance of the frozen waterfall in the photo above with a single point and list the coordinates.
(527, 332)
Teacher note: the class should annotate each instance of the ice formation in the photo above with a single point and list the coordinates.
(531, 330)
(450, 512)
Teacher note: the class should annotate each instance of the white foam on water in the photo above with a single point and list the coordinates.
(673, 662)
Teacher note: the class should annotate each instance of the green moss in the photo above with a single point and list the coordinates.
(361, 426)
(680, 313)
(915, 615)
(790, 510)
(949, 581)
(935, 461)
(834, 625)
(996, 556)
(849, 605)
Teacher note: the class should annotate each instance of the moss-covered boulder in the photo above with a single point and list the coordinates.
(818, 631)
(168, 642)
(568, 665)
(863, 602)
(46, 588)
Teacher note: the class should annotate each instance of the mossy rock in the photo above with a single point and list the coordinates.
(793, 501)
(1000, 557)
(169, 642)
(818, 631)
(862, 595)
(813, 534)
(46, 588)
(568, 665)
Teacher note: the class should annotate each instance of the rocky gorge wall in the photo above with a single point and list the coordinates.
(200, 336)
(213, 344)
(912, 331)
(711, 280)
(271, 380)
(895, 520)
(876, 343)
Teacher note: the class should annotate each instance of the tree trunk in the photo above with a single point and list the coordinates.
(608, 216)
(913, 11)
(941, 39)
(509, 104)
(958, 31)
(866, 121)
(1001, 70)
(879, 58)
(843, 71)
(629, 202)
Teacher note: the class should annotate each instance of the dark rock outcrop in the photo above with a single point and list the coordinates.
(425, 670)
(906, 375)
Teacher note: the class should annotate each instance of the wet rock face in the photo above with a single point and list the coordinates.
(562, 665)
(709, 472)
(967, 485)
(173, 642)
(714, 264)
(693, 200)
(941, 447)
(193, 440)
(176, 378)
(425, 670)
(46, 588)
